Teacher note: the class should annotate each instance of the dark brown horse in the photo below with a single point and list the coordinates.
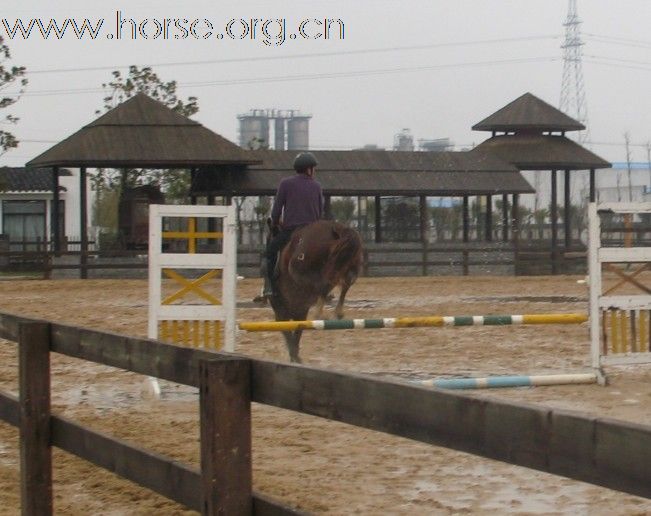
(318, 258)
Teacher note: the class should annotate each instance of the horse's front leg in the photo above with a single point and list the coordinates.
(292, 339)
(339, 309)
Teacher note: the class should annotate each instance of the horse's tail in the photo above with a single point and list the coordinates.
(345, 258)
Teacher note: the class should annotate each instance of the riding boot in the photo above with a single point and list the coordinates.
(267, 289)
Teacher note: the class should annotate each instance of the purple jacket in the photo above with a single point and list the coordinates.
(299, 199)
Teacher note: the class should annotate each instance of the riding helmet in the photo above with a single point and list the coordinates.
(304, 161)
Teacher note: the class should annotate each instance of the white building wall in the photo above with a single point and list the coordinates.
(611, 185)
(70, 196)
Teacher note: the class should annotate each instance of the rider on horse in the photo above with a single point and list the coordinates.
(299, 200)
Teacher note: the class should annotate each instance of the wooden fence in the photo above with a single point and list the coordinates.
(604, 452)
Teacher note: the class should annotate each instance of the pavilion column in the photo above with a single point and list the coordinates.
(489, 218)
(515, 231)
(505, 217)
(54, 211)
(122, 237)
(568, 205)
(83, 223)
(515, 215)
(378, 219)
(327, 207)
(212, 221)
(466, 221)
(554, 221)
(424, 223)
(193, 178)
(479, 223)
(593, 193)
(466, 234)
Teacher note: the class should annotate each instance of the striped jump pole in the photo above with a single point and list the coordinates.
(510, 381)
(415, 322)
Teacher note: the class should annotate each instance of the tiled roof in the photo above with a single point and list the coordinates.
(541, 152)
(377, 172)
(20, 179)
(528, 112)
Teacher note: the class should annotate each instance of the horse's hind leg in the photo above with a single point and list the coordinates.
(318, 312)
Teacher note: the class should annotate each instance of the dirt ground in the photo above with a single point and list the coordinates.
(322, 466)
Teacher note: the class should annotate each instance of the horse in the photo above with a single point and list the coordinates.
(319, 257)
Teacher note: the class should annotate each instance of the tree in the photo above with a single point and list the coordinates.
(402, 220)
(175, 184)
(439, 216)
(539, 217)
(9, 75)
(343, 209)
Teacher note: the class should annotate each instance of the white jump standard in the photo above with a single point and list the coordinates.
(619, 324)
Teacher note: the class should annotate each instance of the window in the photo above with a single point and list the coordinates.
(24, 223)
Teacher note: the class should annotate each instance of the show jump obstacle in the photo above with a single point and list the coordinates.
(414, 322)
(619, 323)
(198, 313)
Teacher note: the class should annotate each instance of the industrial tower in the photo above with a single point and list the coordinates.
(573, 89)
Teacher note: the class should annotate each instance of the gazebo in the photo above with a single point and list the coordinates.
(139, 133)
(530, 134)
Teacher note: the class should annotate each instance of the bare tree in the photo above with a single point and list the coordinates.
(8, 76)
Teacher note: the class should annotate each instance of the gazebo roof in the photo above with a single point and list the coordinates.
(382, 173)
(541, 152)
(144, 133)
(528, 113)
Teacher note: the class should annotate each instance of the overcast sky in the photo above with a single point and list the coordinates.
(437, 67)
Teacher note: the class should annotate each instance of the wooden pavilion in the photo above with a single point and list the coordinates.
(530, 134)
(139, 133)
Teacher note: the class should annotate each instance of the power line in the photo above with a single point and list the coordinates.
(618, 65)
(305, 77)
(620, 41)
(305, 56)
(21, 140)
(616, 144)
(619, 60)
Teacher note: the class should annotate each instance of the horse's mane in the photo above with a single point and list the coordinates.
(345, 255)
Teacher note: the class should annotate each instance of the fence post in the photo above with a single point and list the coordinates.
(365, 264)
(225, 409)
(35, 450)
(424, 257)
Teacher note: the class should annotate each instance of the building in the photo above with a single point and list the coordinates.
(26, 206)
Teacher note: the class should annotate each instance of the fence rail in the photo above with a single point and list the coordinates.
(609, 453)
(384, 260)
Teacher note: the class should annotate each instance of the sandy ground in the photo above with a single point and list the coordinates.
(322, 466)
